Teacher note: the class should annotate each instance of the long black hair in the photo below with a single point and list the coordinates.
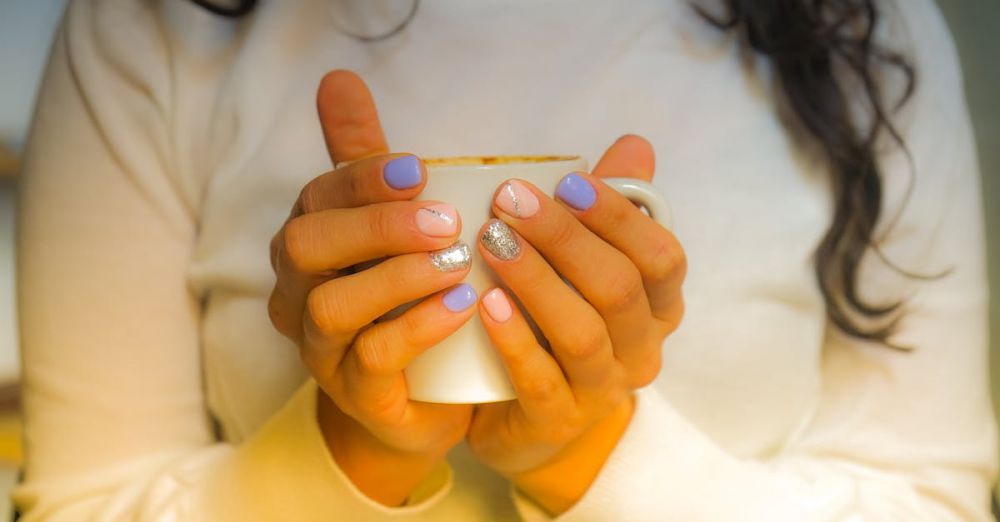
(818, 48)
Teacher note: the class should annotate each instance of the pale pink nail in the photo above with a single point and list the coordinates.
(515, 199)
(439, 220)
(497, 305)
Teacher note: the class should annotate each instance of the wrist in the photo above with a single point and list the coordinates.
(562, 480)
(385, 474)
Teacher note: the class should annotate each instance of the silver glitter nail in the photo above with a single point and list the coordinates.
(513, 198)
(499, 239)
(455, 257)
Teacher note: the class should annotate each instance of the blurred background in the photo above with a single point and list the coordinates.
(26, 26)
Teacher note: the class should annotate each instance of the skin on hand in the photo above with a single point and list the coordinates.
(362, 211)
(575, 401)
(573, 404)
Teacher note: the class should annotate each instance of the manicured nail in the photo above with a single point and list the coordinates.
(499, 239)
(402, 172)
(439, 220)
(517, 200)
(576, 192)
(497, 305)
(459, 298)
(455, 257)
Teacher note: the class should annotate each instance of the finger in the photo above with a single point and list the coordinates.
(287, 301)
(651, 248)
(337, 309)
(347, 114)
(388, 177)
(538, 381)
(630, 156)
(337, 238)
(573, 328)
(375, 363)
(605, 277)
(312, 248)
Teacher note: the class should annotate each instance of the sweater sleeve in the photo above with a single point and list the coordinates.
(116, 419)
(895, 436)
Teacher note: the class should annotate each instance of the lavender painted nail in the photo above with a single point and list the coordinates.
(460, 298)
(402, 172)
(576, 191)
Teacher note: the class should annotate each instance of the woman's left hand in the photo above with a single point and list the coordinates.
(574, 401)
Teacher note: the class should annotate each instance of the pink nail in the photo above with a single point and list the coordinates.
(497, 305)
(439, 220)
(515, 199)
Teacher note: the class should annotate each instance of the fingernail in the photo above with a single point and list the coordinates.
(499, 239)
(576, 192)
(517, 200)
(497, 305)
(402, 172)
(439, 220)
(459, 298)
(455, 257)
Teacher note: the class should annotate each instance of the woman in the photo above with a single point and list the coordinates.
(170, 143)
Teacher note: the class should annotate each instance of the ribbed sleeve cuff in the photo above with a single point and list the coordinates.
(663, 468)
(286, 472)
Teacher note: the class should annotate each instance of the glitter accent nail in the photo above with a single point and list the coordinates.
(499, 239)
(455, 257)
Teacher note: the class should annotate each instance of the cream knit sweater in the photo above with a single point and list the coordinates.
(169, 145)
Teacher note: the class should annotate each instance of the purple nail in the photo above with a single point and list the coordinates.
(576, 191)
(402, 172)
(459, 298)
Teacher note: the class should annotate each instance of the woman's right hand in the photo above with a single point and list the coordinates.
(362, 212)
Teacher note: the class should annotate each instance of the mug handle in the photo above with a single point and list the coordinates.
(645, 194)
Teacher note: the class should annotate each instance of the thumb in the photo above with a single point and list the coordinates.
(629, 157)
(347, 114)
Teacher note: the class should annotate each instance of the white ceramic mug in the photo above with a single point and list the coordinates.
(465, 368)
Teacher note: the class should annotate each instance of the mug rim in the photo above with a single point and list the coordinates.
(496, 160)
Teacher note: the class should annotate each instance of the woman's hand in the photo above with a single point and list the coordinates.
(574, 401)
(361, 212)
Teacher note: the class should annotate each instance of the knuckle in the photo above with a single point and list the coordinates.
(275, 249)
(623, 291)
(516, 358)
(610, 396)
(380, 223)
(409, 328)
(383, 409)
(586, 342)
(540, 387)
(355, 186)
(371, 354)
(327, 310)
(648, 370)
(297, 240)
(565, 429)
(673, 316)
(562, 233)
(398, 277)
(278, 314)
(618, 217)
(668, 262)
(310, 197)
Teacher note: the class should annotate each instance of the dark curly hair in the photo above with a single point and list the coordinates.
(817, 48)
